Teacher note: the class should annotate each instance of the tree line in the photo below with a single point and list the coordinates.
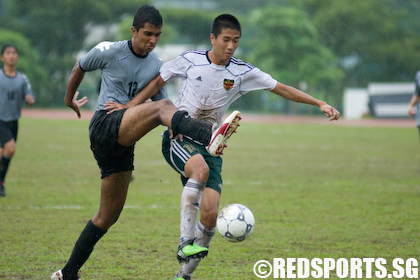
(320, 46)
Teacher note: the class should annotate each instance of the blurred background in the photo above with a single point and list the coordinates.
(355, 54)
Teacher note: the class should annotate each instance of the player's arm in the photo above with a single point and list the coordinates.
(70, 98)
(29, 99)
(296, 95)
(147, 92)
(28, 95)
(413, 102)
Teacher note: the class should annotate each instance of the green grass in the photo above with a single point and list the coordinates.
(316, 191)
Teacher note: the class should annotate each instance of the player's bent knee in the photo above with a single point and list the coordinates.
(197, 168)
(164, 102)
(105, 224)
(9, 149)
(204, 172)
(200, 173)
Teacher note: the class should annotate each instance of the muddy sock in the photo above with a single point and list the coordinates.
(198, 130)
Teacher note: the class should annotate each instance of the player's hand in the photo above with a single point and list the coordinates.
(29, 100)
(411, 111)
(76, 104)
(330, 112)
(112, 106)
(171, 135)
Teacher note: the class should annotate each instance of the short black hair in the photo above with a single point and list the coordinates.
(147, 13)
(225, 21)
(3, 49)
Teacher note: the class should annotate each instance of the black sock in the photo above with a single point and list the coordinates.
(4, 165)
(82, 250)
(197, 129)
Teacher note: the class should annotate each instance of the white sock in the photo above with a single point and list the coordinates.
(190, 205)
(203, 236)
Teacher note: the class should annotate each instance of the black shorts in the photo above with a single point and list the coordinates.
(111, 156)
(8, 131)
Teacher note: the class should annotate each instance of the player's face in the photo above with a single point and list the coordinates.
(145, 40)
(224, 45)
(10, 56)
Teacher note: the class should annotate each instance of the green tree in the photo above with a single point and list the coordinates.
(245, 7)
(286, 44)
(191, 26)
(375, 41)
(58, 28)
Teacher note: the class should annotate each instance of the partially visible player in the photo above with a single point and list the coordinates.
(413, 106)
(15, 89)
(126, 66)
(211, 81)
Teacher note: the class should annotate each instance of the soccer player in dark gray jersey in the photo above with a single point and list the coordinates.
(127, 67)
(414, 107)
(112, 58)
(15, 89)
(13, 94)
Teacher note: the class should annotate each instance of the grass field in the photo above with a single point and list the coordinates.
(316, 191)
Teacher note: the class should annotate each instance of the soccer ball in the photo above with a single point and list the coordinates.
(235, 222)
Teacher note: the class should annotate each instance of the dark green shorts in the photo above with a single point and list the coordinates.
(177, 154)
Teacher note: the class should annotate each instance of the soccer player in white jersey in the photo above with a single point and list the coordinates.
(127, 66)
(211, 81)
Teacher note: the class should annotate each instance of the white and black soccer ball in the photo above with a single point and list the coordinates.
(235, 222)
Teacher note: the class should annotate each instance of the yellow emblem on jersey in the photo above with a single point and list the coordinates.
(228, 84)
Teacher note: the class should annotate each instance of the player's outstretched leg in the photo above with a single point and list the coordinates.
(200, 130)
(197, 129)
(223, 133)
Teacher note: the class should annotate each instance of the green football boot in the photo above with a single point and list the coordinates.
(190, 250)
(183, 278)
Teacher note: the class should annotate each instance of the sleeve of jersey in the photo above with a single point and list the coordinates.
(95, 59)
(28, 87)
(257, 80)
(418, 83)
(176, 68)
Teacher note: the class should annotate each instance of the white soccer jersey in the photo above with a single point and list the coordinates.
(208, 89)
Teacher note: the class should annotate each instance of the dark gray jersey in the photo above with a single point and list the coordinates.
(12, 95)
(124, 73)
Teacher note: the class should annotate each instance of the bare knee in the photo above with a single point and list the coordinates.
(166, 102)
(163, 105)
(166, 111)
(197, 168)
(105, 221)
(201, 172)
(9, 149)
